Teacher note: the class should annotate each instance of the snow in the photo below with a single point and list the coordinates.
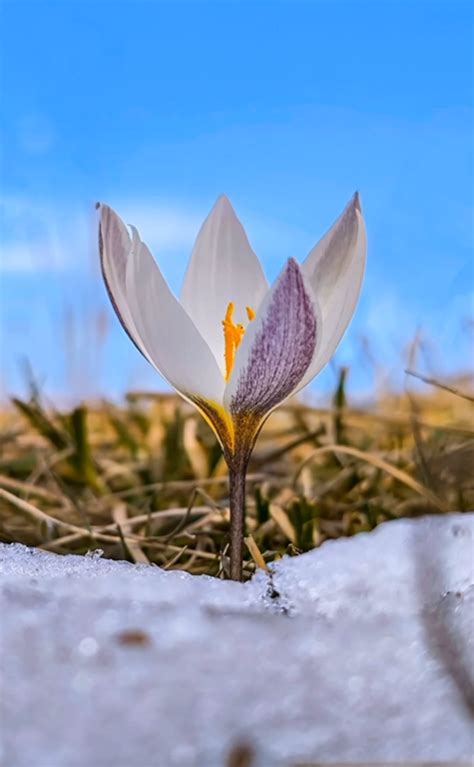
(364, 656)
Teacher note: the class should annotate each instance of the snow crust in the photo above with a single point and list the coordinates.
(360, 651)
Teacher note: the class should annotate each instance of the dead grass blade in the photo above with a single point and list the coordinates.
(255, 553)
(29, 489)
(175, 559)
(120, 516)
(439, 385)
(379, 463)
(281, 519)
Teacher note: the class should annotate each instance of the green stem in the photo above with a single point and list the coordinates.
(237, 475)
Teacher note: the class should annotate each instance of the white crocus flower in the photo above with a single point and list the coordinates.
(233, 346)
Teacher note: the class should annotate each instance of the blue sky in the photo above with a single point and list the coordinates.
(287, 107)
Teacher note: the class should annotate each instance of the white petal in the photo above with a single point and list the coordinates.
(174, 344)
(115, 247)
(222, 268)
(335, 269)
(152, 316)
(277, 348)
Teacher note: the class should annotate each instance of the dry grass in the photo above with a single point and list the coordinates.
(147, 482)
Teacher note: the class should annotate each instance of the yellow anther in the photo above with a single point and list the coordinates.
(233, 335)
(239, 331)
(229, 340)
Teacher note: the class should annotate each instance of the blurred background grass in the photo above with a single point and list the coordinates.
(145, 480)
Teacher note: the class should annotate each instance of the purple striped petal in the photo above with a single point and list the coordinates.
(278, 351)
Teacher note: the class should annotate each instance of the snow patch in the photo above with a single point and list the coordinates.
(365, 655)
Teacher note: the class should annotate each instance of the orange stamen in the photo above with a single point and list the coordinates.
(233, 335)
(229, 342)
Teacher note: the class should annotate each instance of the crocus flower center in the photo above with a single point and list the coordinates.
(233, 334)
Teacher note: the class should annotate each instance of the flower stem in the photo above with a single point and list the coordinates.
(237, 474)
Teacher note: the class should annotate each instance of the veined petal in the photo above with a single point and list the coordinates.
(173, 343)
(277, 348)
(222, 268)
(335, 269)
(115, 247)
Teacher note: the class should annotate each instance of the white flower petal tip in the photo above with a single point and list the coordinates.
(336, 249)
(278, 347)
(223, 206)
(222, 268)
(335, 269)
(114, 250)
